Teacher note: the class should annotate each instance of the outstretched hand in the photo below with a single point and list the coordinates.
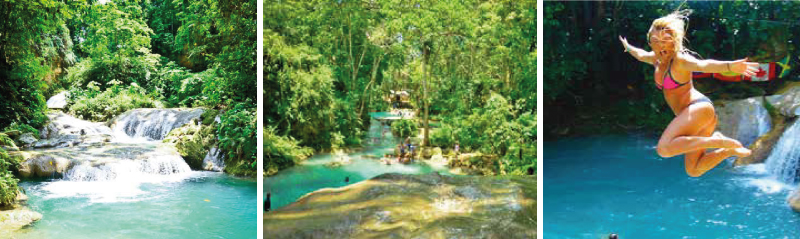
(624, 43)
(744, 67)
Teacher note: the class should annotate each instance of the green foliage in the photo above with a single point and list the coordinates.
(328, 65)
(22, 129)
(193, 141)
(32, 44)
(405, 128)
(281, 152)
(236, 134)
(96, 105)
(8, 184)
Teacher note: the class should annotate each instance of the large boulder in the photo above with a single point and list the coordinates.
(42, 164)
(787, 100)
(744, 120)
(194, 142)
(794, 200)
(412, 206)
(16, 216)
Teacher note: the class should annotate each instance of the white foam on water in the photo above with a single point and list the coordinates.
(121, 189)
(142, 125)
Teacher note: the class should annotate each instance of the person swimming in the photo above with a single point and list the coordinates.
(692, 132)
(267, 203)
(613, 236)
(347, 179)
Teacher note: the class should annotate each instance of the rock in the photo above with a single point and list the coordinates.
(67, 131)
(744, 120)
(412, 206)
(794, 201)
(58, 101)
(787, 100)
(16, 216)
(762, 148)
(15, 219)
(194, 142)
(101, 163)
(214, 160)
(37, 164)
(27, 139)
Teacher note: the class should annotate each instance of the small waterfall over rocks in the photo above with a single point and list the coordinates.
(79, 150)
(744, 120)
(152, 124)
(784, 160)
(214, 160)
(128, 169)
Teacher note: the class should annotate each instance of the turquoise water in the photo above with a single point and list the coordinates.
(599, 185)
(191, 205)
(291, 184)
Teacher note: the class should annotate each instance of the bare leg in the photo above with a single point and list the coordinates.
(682, 135)
(699, 162)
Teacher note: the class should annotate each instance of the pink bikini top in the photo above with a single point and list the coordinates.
(669, 81)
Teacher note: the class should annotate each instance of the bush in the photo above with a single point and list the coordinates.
(237, 139)
(95, 105)
(22, 128)
(405, 128)
(443, 136)
(281, 152)
(8, 184)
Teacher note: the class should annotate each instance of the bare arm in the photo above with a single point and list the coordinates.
(741, 66)
(639, 54)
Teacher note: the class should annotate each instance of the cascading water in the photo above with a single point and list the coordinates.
(784, 160)
(214, 160)
(152, 124)
(763, 123)
(380, 134)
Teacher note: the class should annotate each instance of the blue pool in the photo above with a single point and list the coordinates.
(594, 186)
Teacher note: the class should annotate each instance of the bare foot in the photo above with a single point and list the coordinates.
(728, 142)
(741, 152)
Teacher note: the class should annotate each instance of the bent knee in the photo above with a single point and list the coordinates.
(664, 151)
(692, 172)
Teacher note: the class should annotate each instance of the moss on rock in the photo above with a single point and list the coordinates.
(193, 142)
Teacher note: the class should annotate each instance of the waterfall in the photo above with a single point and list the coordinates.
(380, 134)
(153, 164)
(152, 124)
(214, 160)
(784, 160)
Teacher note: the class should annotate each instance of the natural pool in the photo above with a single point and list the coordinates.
(313, 174)
(598, 185)
(190, 205)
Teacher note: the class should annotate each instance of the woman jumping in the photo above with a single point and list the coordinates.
(691, 132)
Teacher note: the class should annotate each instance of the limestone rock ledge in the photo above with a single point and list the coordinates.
(412, 206)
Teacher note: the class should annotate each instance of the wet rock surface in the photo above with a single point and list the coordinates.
(412, 206)
(17, 216)
(66, 131)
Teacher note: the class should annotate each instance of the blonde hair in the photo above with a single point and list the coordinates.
(674, 23)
